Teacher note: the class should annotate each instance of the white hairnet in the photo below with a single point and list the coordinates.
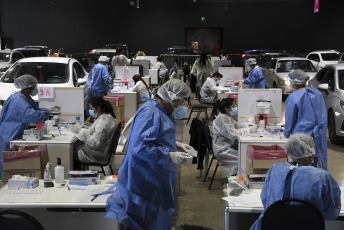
(299, 77)
(173, 89)
(25, 81)
(103, 59)
(300, 145)
(251, 61)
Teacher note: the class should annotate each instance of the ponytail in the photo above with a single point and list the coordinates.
(105, 106)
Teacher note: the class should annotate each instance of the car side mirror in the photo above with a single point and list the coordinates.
(323, 87)
(81, 81)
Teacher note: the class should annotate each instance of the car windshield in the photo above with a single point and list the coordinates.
(330, 56)
(4, 57)
(48, 73)
(341, 79)
(286, 66)
(33, 53)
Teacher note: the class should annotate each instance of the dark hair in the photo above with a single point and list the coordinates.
(137, 78)
(118, 51)
(203, 59)
(159, 59)
(61, 50)
(105, 106)
(217, 74)
(224, 103)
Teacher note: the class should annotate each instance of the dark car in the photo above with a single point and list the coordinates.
(109, 50)
(182, 50)
(88, 61)
(251, 54)
(263, 59)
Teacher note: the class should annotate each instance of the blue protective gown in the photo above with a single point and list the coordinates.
(308, 183)
(143, 198)
(306, 113)
(18, 112)
(255, 79)
(99, 81)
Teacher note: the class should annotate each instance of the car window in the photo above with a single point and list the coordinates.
(341, 79)
(286, 66)
(329, 76)
(271, 64)
(16, 56)
(33, 53)
(330, 56)
(321, 75)
(4, 57)
(79, 70)
(48, 73)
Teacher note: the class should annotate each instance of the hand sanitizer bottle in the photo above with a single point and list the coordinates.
(59, 172)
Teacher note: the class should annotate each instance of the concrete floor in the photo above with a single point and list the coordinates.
(196, 205)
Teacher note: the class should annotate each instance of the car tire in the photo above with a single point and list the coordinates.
(334, 138)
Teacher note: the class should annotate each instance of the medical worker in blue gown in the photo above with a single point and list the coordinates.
(19, 111)
(306, 113)
(255, 79)
(143, 197)
(301, 180)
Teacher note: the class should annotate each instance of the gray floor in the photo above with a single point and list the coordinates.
(196, 205)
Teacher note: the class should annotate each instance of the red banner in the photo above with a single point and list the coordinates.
(316, 6)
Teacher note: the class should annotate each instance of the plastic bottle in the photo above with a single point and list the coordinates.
(59, 172)
(47, 173)
(261, 126)
(78, 119)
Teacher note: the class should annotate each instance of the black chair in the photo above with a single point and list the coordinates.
(112, 150)
(14, 219)
(198, 107)
(292, 213)
(209, 146)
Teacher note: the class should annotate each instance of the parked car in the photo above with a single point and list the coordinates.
(88, 61)
(277, 71)
(19, 53)
(251, 54)
(322, 58)
(182, 50)
(109, 50)
(330, 82)
(49, 71)
(264, 58)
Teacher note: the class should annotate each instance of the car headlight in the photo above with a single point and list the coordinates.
(342, 105)
(282, 82)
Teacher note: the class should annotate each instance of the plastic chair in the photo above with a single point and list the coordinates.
(14, 219)
(292, 213)
(198, 107)
(112, 151)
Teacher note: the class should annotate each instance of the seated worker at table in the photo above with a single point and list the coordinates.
(141, 88)
(19, 111)
(299, 179)
(143, 196)
(225, 133)
(306, 112)
(209, 90)
(255, 79)
(95, 140)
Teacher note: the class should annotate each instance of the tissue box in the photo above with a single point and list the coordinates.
(29, 183)
(33, 134)
(83, 177)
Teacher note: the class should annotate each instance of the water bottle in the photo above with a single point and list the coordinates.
(78, 119)
(47, 173)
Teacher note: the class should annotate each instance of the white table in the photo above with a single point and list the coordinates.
(237, 217)
(59, 145)
(130, 106)
(254, 140)
(59, 208)
(224, 92)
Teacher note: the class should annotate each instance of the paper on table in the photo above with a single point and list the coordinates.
(20, 198)
(244, 199)
(86, 198)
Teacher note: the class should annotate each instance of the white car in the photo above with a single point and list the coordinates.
(320, 59)
(277, 71)
(330, 82)
(49, 71)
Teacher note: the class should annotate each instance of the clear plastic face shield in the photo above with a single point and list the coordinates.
(180, 108)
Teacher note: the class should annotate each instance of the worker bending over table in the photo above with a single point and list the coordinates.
(143, 196)
(95, 141)
(19, 111)
(299, 179)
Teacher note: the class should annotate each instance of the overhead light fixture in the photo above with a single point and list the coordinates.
(194, 0)
(137, 4)
(132, 3)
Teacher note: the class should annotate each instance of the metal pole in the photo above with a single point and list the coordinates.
(226, 225)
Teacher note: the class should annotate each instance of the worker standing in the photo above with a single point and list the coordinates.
(99, 79)
(306, 113)
(143, 196)
(255, 79)
(19, 111)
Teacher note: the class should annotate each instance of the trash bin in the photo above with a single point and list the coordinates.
(192, 227)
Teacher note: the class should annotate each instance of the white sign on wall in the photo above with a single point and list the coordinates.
(46, 92)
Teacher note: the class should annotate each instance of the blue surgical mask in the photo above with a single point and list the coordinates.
(234, 111)
(180, 112)
(248, 68)
(218, 82)
(35, 92)
(92, 113)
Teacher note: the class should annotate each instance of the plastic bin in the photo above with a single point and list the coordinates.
(192, 227)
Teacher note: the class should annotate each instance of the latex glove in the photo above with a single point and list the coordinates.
(185, 147)
(54, 109)
(178, 157)
(75, 128)
(245, 132)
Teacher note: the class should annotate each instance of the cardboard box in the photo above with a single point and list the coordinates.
(83, 177)
(24, 160)
(28, 183)
(119, 112)
(115, 100)
(260, 166)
